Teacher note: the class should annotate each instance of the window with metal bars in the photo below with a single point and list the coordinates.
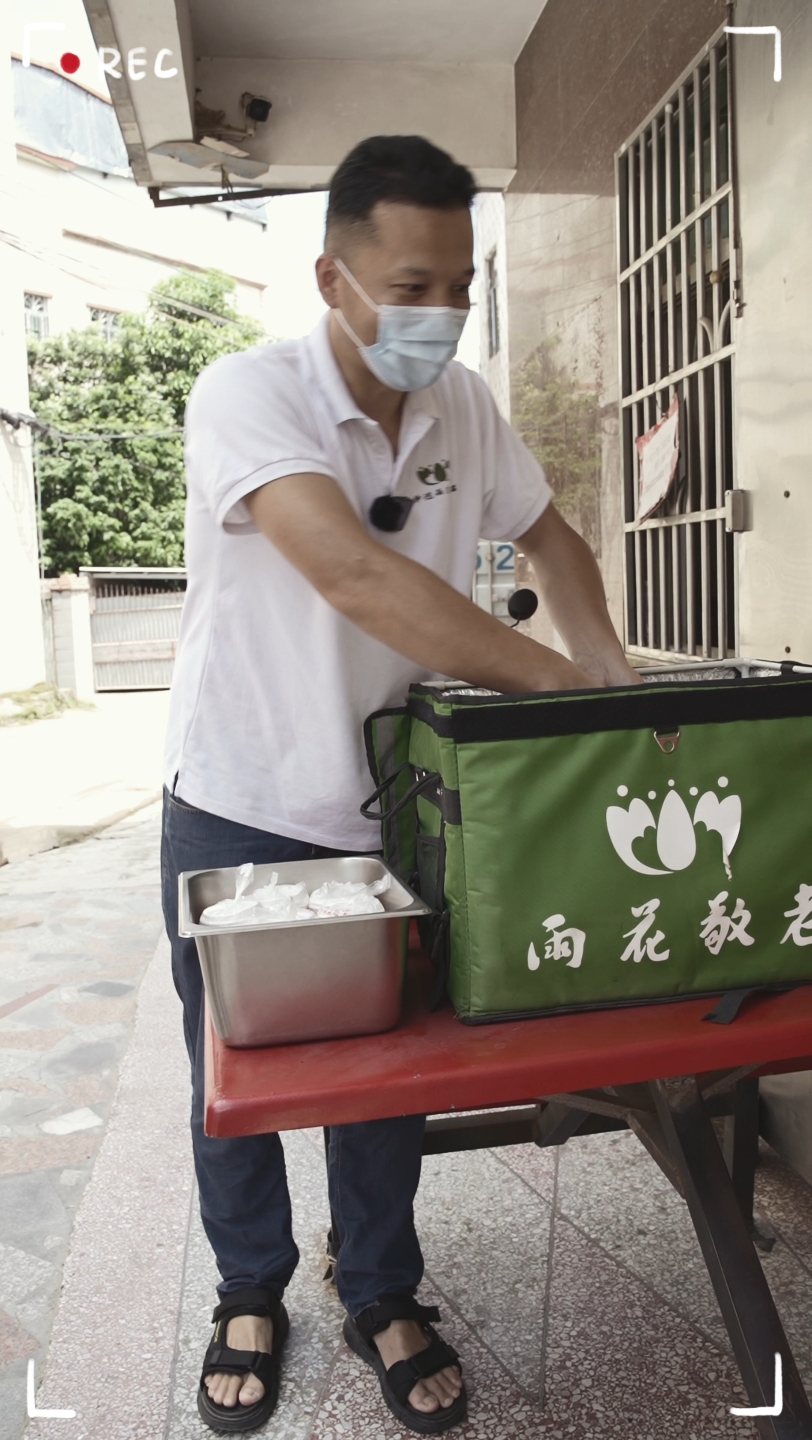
(36, 315)
(678, 285)
(107, 320)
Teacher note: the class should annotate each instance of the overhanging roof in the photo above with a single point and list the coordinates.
(461, 31)
(334, 71)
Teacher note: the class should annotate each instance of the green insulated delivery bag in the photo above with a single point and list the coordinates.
(605, 847)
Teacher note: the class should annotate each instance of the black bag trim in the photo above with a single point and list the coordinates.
(382, 725)
(434, 928)
(369, 726)
(440, 956)
(665, 707)
(493, 1017)
(447, 801)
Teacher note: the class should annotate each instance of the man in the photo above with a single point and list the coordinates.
(325, 576)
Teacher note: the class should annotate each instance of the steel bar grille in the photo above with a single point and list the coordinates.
(677, 284)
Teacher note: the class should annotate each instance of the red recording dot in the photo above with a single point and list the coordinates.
(70, 63)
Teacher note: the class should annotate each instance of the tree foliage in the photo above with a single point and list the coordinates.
(561, 424)
(119, 499)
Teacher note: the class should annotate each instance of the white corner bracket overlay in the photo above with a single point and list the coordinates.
(779, 1396)
(31, 1406)
(761, 30)
(36, 25)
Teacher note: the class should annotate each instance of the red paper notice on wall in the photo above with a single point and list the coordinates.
(657, 454)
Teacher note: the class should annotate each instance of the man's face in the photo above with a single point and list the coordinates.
(415, 257)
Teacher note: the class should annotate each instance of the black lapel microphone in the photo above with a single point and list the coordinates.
(521, 605)
(390, 512)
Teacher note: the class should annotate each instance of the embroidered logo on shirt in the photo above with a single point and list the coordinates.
(434, 474)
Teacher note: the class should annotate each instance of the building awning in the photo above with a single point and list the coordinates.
(334, 72)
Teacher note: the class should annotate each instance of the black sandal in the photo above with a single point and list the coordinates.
(401, 1378)
(221, 1359)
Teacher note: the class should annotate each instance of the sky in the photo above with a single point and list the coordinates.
(295, 223)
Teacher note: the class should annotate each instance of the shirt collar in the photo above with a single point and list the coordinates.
(327, 373)
(328, 376)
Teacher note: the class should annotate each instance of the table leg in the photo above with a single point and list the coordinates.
(333, 1241)
(740, 1150)
(742, 1291)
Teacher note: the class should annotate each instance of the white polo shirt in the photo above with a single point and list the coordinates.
(271, 684)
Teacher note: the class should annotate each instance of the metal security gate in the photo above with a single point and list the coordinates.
(678, 287)
(134, 626)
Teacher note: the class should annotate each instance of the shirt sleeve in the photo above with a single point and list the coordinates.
(247, 423)
(516, 492)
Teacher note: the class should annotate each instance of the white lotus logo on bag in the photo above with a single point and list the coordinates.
(676, 833)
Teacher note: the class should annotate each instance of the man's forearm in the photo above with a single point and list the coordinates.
(572, 589)
(396, 600)
(414, 612)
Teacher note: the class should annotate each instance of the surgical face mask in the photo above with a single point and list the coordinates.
(414, 343)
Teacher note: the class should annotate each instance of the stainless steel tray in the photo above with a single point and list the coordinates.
(303, 979)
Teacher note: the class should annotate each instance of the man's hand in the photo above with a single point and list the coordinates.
(310, 521)
(572, 589)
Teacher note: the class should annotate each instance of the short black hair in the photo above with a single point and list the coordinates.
(404, 169)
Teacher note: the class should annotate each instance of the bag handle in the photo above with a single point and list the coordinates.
(432, 777)
(728, 1006)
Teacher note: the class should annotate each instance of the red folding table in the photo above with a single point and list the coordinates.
(662, 1070)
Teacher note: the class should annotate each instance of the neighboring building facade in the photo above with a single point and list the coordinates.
(93, 243)
(22, 659)
(82, 245)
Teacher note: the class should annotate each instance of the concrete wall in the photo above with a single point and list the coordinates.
(22, 661)
(773, 397)
(774, 335)
(489, 221)
(70, 635)
(588, 75)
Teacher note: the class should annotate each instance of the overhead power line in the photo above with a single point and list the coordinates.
(18, 418)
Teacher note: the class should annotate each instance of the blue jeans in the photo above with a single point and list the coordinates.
(373, 1167)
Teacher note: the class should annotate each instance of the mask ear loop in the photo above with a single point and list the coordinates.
(359, 290)
(339, 313)
(347, 328)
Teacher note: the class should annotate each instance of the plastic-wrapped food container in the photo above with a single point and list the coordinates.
(274, 983)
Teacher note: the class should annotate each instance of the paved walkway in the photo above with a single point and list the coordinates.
(78, 927)
(71, 775)
(570, 1280)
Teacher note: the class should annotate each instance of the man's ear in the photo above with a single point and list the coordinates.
(327, 276)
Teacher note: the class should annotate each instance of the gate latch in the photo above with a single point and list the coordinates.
(738, 511)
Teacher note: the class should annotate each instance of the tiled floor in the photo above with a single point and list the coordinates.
(570, 1280)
